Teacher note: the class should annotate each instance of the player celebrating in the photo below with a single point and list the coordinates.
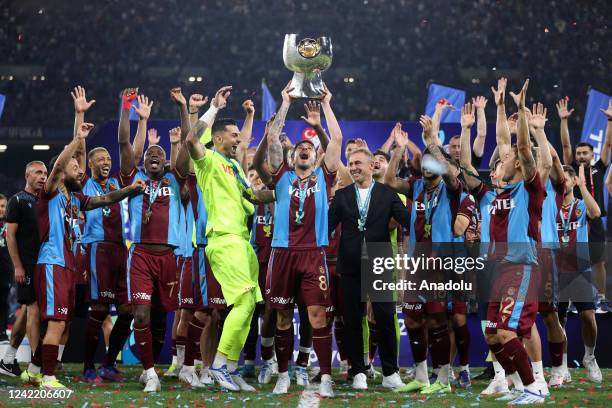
(231, 256)
(58, 207)
(300, 232)
(154, 217)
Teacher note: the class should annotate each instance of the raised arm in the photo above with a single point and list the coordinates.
(432, 137)
(390, 179)
(194, 147)
(556, 172)
(115, 196)
(80, 107)
(313, 119)
(126, 153)
(332, 153)
(178, 150)
(246, 134)
(523, 144)
(502, 131)
(175, 145)
(537, 120)
(259, 160)
(467, 121)
(144, 113)
(564, 114)
(196, 101)
(480, 102)
(386, 147)
(275, 149)
(605, 150)
(448, 175)
(593, 210)
(55, 177)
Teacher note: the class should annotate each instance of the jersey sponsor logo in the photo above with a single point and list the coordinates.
(293, 191)
(228, 169)
(261, 220)
(163, 192)
(281, 300)
(141, 296)
(502, 204)
(573, 225)
(420, 207)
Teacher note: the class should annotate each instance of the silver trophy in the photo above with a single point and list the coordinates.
(307, 58)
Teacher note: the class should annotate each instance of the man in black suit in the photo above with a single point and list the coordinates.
(365, 209)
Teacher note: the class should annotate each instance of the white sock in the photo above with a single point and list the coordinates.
(464, 368)
(33, 369)
(538, 370)
(60, 352)
(9, 355)
(249, 362)
(589, 351)
(516, 380)
(564, 364)
(151, 372)
(180, 354)
(232, 366)
(48, 378)
(220, 361)
(420, 372)
(305, 350)
(436, 371)
(284, 375)
(443, 373)
(197, 362)
(107, 349)
(187, 368)
(499, 370)
(173, 360)
(267, 341)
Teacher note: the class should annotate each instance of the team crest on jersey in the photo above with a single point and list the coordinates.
(511, 291)
(321, 270)
(578, 212)
(313, 178)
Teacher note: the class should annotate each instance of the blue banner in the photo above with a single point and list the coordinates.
(2, 100)
(594, 125)
(456, 97)
(268, 104)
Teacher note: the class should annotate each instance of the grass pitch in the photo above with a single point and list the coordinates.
(579, 393)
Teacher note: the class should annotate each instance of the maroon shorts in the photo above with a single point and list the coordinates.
(514, 299)
(81, 276)
(210, 294)
(54, 286)
(336, 290)
(152, 277)
(297, 276)
(186, 283)
(107, 273)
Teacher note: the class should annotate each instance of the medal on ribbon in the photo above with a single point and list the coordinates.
(302, 189)
(565, 222)
(363, 207)
(154, 190)
(429, 205)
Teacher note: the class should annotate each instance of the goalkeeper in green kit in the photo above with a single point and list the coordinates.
(228, 199)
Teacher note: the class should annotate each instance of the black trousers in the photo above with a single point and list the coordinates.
(384, 313)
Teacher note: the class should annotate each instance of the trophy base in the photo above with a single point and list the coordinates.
(307, 87)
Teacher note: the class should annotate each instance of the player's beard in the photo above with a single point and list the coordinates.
(72, 184)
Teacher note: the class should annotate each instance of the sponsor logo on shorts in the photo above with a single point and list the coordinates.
(187, 301)
(281, 300)
(217, 301)
(491, 325)
(107, 294)
(62, 311)
(141, 296)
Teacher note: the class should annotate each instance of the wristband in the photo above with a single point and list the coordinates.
(193, 113)
(126, 101)
(209, 116)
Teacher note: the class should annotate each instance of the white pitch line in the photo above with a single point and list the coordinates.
(309, 398)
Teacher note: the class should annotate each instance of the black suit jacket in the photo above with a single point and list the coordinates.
(385, 204)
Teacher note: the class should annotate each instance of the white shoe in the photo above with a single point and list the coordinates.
(360, 382)
(282, 384)
(244, 386)
(392, 381)
(498, 385)
(372, 373)
(189, 376)
(556, 380)
(325, 388)
(343, 367)
(510, 395)
(593, 371)
(143, 377)
(265, 375)
(527, 398)
(223, 378)
(205, 377)
(567, 376)
(301, 376)
(542, 387)
(152, 384)
(451, 376)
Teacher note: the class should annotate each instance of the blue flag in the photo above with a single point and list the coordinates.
(455, 96)
(268, 102)
(595, 122)
(2, 100)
